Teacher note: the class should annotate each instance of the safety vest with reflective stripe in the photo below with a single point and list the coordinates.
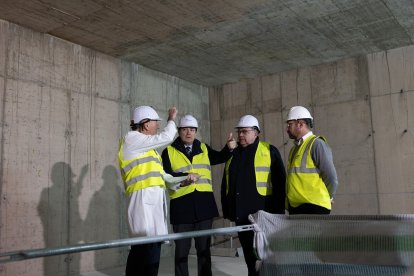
(142, 172)
(304, 183)
(262, 163)
(201, 165)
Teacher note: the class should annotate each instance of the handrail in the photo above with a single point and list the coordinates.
(44, 252)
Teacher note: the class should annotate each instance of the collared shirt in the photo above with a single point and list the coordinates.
(300, 141)
(188, 149)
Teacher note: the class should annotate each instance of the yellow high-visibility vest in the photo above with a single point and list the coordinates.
(304, 183)
(262, 161)
(142, 172)
(201, 165)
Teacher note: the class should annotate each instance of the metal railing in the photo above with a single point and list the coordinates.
(45, 252)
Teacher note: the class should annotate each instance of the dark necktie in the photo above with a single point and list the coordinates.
(188, 150)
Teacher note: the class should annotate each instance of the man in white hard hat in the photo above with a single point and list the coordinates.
(143, 176)
(192, 206)
(254, 179)
(312, 180)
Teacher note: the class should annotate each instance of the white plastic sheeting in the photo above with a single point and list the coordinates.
(334, 245)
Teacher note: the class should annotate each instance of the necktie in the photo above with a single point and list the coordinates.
(188, 150)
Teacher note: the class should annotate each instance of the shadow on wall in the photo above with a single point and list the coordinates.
(105, 220)
(62, 224)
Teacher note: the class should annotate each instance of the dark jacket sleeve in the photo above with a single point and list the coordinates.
(278, 180)
(224, 204)
(218, 157)
(166, 163)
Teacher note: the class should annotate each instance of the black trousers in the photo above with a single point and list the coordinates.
(250, 257)
(308, 208)
(202, 245)
(143, 260)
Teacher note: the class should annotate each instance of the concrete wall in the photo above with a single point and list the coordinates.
(363, 106)
(63, 109)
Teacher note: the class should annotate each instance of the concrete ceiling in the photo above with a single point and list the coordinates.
(212, 42)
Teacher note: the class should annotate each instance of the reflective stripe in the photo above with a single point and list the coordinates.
(262, 169)
(201, 166)
(303, 170)
(203, 181)
(139, 162)
(194, 166)
(143, 177)
(263, 184)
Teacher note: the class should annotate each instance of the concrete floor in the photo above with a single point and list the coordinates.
(221, 266)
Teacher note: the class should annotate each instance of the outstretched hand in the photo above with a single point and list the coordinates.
(191, 178)
(231, 142)
(172, 113)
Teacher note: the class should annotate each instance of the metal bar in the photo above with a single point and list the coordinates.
(44, 252)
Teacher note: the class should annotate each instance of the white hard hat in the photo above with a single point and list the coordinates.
(248, 121)
(188, 121)
(298, 112)
(145, 112)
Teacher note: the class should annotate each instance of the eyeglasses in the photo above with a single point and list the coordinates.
(244, 131)
(289, 124)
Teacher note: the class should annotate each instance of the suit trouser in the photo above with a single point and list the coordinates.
(143, 259)
(246, 241)
(202, 245)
